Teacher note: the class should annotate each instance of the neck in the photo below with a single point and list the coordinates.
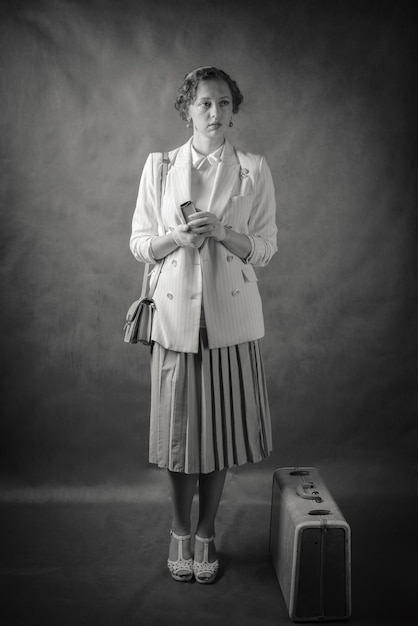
(207, 145)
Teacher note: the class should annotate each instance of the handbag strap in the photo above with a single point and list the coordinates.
(165, 162)
(145, 281)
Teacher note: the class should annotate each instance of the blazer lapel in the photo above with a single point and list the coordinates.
(179, 177)
(226, 181)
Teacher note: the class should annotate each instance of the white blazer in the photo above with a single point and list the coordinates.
(243, 197)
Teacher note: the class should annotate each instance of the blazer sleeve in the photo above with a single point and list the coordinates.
(146, 218)
(262, 229)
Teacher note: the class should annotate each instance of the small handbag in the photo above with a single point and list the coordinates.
(138, 326)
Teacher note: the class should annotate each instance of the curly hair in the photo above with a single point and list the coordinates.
(188, 89)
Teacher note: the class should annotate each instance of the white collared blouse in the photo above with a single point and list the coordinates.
(203, 176)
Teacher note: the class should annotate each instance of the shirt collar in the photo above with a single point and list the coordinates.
(199, 159)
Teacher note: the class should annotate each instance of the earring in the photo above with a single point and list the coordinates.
(188, 125)
(231, 124)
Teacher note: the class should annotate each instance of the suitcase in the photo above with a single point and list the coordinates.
(310, 547)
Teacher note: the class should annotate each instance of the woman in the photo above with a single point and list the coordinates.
(209, 407)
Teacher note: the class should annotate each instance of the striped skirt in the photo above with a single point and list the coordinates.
(209, 410)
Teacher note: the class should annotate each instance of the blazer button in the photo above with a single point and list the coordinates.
(170, 296)
(229, 258)
(174, 262)
(235, 292)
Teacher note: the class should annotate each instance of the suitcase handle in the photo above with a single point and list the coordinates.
(302, 491)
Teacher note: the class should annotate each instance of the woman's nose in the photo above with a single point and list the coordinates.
(214, 111)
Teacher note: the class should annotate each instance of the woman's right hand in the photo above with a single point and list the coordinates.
(181, 236)
(185, 238)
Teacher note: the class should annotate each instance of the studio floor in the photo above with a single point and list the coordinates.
(96, 556)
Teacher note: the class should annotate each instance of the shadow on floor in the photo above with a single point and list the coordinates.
(103, 563)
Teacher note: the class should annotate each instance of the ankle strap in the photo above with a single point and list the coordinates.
(204, 540)
(180, 537)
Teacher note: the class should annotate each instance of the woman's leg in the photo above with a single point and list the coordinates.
(210, 492)
(182, 490)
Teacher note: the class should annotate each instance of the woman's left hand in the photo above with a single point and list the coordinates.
(207, 224)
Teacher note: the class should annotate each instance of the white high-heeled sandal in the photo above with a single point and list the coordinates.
(204, 571)
(181, 569)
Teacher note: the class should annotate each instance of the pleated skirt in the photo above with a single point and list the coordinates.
(209, 410)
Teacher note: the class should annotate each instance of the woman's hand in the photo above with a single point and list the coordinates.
(185, 237)
(207, 224)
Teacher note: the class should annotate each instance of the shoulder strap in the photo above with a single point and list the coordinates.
(165, 162)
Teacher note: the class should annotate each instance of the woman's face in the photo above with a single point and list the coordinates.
(211, 111)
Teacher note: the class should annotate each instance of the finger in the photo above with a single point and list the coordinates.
(195, 227)
(201, 222)
(197, 220)
(199, 214)
(207, 228)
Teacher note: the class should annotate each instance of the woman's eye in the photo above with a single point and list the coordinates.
(225, 102)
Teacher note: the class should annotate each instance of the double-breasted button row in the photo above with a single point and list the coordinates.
(174, 262)
(229, 258)
(234, 293)
(195, 296)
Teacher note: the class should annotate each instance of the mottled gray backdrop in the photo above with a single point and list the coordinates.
(87, 91)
